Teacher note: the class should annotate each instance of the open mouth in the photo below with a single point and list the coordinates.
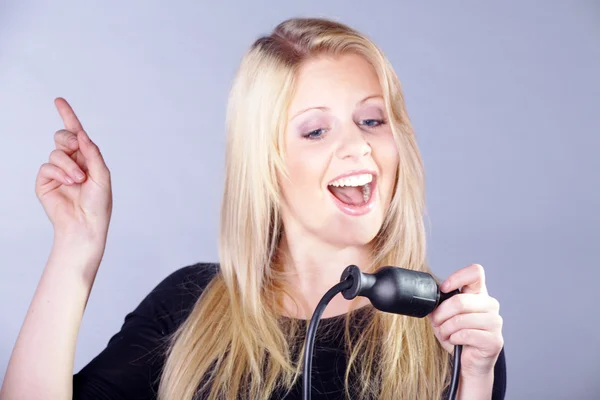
(353, 191)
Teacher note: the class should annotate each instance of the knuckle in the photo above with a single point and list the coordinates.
(498, 344)
(65, 138)
(495, 303)
(460, 302)
(457, 321)
(63, 135)
(48, 169)
(500, 321)
(60, 133)
(479, 269)
(42, 171)
(443, 331)
(104, 173)
(55, 155)
(452, 337)
(448, 329)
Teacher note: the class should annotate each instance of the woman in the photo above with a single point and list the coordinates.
(322, 171)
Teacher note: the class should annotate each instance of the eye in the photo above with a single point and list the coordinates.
(316, 134)
(372, 123)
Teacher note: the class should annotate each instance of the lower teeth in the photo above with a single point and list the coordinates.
(366, 189)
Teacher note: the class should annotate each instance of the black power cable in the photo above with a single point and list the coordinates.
(312, 330)
(390, 289)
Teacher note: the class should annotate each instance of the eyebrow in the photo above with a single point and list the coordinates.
(323, 108)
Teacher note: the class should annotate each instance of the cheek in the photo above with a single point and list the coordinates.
(306, 168)
(386, 156)
(385, 153)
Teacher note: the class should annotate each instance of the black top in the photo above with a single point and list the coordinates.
(130, 365)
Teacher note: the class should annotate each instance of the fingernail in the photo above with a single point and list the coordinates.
(79, 176)
(69, 180)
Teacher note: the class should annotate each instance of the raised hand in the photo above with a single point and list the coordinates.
(74, 187)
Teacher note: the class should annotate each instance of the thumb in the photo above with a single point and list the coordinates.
(94, 161)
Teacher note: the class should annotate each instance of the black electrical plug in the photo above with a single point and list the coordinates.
(396, 290)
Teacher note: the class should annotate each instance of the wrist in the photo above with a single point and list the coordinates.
(476, 386)
(77, 250)
(79, 240)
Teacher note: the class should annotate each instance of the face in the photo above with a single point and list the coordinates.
(340, 153)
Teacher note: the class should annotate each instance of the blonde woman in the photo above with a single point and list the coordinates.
(322, 171)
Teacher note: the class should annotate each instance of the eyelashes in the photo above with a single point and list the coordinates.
(370, 123)
(314, 135)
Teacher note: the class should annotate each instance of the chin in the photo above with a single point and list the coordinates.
(356, 233)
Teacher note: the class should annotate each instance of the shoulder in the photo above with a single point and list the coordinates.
(194, 277)
(173, 298)
(129, 367)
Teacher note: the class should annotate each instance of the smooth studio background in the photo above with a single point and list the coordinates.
(503, 99)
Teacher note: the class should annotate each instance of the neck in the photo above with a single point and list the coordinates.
(312, 267)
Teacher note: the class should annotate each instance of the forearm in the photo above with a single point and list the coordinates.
(476, 388)
(41, 364)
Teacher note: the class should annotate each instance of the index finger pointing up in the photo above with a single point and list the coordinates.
(68, 115)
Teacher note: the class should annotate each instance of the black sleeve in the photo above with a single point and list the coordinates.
(129, 367)
(499, 390)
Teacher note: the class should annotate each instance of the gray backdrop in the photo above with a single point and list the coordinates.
(503, 99)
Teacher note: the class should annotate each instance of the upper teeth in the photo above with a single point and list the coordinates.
(355, 180)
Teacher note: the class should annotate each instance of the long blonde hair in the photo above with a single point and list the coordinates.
(233, 344)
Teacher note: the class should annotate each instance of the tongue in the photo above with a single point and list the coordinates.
(348, 194)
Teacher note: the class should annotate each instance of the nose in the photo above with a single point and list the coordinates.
(353, 144)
